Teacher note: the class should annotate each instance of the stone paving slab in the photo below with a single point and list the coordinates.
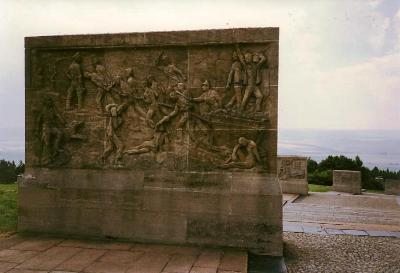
(355, 232)
(293, 228)
(150, 263)
(50, 258)
(96, 244)
(5, 266)
(180, 263)
(376, 233)
(234, 261)
(36, 244)
(16, 256)
(81, 260)
(26, 271)
(332, 231)
(196, 269)
(315, 228)
(31, 255)
(209, 259)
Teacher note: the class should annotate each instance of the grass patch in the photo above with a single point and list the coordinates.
(318, 188)
(375, 191)
(8, 207)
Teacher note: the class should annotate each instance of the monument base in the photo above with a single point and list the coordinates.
(392, 187)
(296, 186)
(224, 209)
(347, 181)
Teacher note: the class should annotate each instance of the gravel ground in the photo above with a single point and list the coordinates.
(312, 253)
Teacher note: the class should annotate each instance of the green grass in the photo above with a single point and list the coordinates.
(375, 191)
(8, 207)
(318, 188)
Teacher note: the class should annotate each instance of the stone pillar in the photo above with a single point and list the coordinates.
(347, 181)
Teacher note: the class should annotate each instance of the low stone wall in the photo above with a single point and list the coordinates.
(347, 181)
(392, 186)
(292, 172)
(242, 210)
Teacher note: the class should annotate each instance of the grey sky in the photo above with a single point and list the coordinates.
(339, 60)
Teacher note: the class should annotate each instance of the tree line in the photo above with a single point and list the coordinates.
(9, 171)
(322, 173)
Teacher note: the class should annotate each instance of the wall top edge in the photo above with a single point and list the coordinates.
(157, 38)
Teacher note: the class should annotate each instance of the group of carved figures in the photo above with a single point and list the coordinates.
(152, 103)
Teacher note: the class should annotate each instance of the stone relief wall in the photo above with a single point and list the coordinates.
(188, 107)
(166, 137)
(292, 167)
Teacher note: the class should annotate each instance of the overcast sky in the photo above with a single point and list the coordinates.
(339, 60)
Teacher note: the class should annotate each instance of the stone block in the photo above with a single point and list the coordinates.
(347, 181)
(292, 173)
(392, 186)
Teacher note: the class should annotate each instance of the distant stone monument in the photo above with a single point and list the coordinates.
(164, 137)
(392, 186)
(292, 174)
(347, 181)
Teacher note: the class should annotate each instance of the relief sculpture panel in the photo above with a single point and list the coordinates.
(204, 107)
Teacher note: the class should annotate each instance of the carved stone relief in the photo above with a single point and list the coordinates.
(177, 108)
(292, 168)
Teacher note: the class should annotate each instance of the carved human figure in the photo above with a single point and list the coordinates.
(128, 92)
(235, 78)
(174, 74)
(209, 98)
(252, 77)
(126, 82)
(49, 131)
(74, 74)
(103, 81)
(155, 144)
(244, 155)
(150, 96)
(112, 141)
(181, 109)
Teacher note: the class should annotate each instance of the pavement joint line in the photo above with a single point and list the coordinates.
(332, 231)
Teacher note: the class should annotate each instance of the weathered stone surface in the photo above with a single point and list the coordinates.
(6, 266)
(392, 186)
(150, 263)
(347, 181)
(292, 173)
(157, 137)
(180, 263)
(81, 260)
(50, 258)
(15, 256)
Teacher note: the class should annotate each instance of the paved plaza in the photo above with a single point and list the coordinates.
(339, 213)
(39, 255)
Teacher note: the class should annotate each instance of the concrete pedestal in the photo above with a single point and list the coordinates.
(392, 186)
(242, 210)
(347, 181)
(292, 172)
